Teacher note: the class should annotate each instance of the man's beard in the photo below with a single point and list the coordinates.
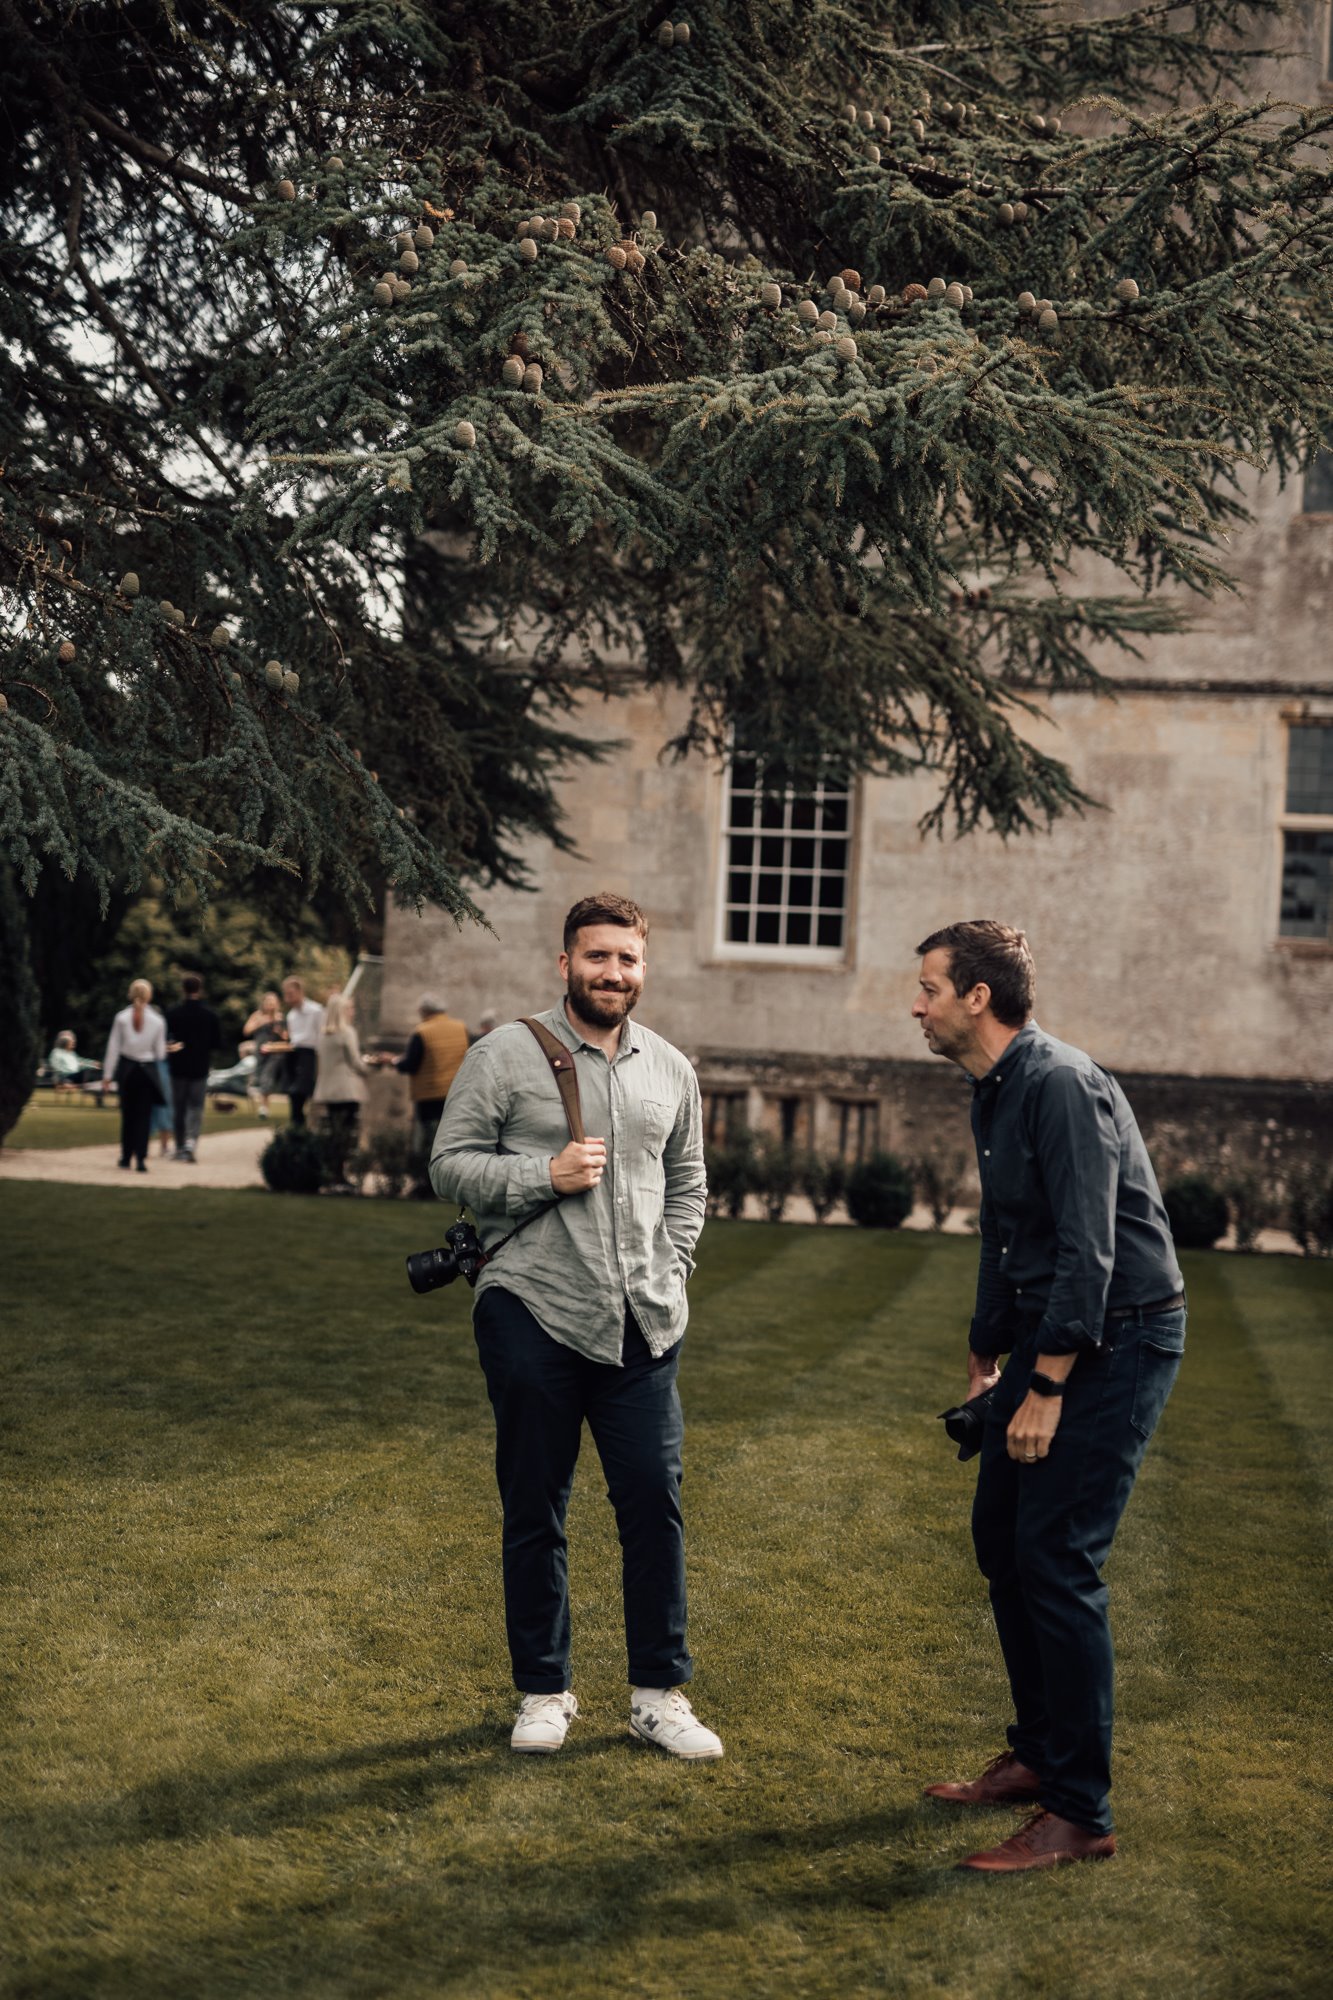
(603, 1008)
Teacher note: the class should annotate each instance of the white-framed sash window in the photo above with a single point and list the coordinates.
(786, 865)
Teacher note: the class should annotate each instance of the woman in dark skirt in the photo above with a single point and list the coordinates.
(135, 1046)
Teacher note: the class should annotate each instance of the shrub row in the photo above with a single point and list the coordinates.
(302, 1159)
(1202, 1209)
(878, 1190)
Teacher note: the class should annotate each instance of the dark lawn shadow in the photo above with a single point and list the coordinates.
(278, 1792)
(472, 1919)
(287, 1791)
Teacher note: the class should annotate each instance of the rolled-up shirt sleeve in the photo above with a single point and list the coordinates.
(686, 1181)
(1079, 1150)
(467, 1164)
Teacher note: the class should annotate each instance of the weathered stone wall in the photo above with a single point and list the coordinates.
(1153, 922)
(1223, 1126)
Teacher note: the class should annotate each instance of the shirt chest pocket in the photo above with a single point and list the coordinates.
(649, 1125)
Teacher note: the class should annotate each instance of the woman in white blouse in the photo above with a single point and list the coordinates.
(137, 1042)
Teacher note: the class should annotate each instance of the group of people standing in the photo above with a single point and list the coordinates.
(313, 1053)
(283, 1033)
(159, 1065)
(305, 1050)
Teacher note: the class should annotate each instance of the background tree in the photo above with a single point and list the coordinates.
(238, 947)
(20, 1029)
(377, 383)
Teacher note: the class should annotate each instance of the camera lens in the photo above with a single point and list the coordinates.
(427, 1270)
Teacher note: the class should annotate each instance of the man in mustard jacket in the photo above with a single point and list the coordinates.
(430, 1063)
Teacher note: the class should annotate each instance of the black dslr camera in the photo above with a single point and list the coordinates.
(463, 1257)
(965, 1425)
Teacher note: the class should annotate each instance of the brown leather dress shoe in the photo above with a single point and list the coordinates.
(1044, 1841)
(1004, 1782)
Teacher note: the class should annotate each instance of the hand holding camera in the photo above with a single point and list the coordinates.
(983, 1372)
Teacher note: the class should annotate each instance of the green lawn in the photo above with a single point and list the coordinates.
(257, 1692)
(46, 1122)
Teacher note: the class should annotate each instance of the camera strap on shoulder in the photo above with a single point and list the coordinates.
(561, 1060)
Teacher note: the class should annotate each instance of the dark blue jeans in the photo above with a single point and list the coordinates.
(540, 1393)
(1042, 1533)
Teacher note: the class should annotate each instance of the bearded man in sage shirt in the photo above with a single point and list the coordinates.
(1079, 1284)
(583, 1313)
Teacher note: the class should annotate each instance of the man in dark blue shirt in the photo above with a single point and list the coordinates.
(1079, 1285)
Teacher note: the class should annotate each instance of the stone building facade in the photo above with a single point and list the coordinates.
(1183, 933)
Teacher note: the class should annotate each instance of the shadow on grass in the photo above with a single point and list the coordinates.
(462, 1918)
(277, 1792)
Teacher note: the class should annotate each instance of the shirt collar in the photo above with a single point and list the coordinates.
(1013, 1057)
(630, 1037)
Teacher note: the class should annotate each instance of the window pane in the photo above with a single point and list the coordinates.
(798, 927)
(772, 811)
(801, 892)
(1307, 884)
(738, 927)
(1318, 495)
(1310, 769)
(772, 848)
(803, 812)
(832, 892)
(742, 851)
(834, 818)
(830, 931)
(803, 854)
(742, 812)
(766, 927)
(738, 886)
(833, 854)
(770, 889)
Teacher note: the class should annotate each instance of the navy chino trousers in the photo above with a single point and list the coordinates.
(541, 1393)
(1042, 1534)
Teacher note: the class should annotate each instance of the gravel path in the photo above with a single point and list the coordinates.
(226, 1160)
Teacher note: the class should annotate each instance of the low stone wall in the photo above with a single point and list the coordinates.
(1218, 1125)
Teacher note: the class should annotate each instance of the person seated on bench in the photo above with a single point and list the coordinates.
(67, 1069)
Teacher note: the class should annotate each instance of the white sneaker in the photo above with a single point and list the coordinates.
(543, 1721)
(663, 1716)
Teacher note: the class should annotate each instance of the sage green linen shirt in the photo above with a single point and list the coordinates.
(630, 1240)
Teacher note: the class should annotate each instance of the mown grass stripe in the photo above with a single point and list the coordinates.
(1286, 1307)
(1233, 1721)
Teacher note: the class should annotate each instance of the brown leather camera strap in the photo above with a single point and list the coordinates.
(561, 1060)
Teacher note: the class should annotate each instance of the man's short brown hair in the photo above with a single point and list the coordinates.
(982, 952)
(605, 909)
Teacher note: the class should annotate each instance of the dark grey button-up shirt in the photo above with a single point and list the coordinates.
(630, 1240)
(1072, 1222)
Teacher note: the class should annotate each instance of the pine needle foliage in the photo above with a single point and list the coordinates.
(429, 368)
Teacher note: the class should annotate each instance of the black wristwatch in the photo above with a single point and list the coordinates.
(1044, 1385)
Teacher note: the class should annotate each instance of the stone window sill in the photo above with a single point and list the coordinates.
(1304, 947)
